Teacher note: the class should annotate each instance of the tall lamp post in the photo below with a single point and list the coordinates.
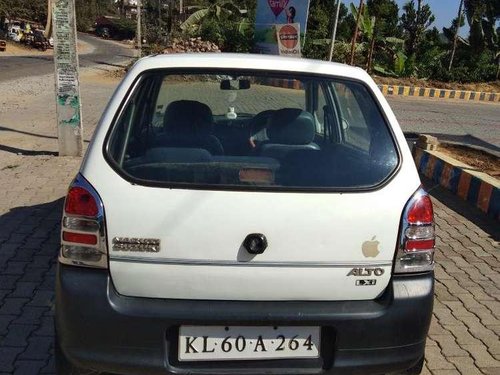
(334, 33)
(139, 28)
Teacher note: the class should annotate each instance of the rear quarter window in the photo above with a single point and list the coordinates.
(249, 130)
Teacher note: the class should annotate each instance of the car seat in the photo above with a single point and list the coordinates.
(290, 129)
(188, 123)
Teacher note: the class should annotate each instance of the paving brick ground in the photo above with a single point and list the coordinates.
(465, 330)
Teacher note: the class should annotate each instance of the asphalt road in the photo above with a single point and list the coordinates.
(474, 123)
(104, 52)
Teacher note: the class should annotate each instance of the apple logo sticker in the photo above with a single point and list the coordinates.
(370, 248)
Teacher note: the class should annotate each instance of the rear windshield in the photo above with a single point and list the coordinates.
(243, 129)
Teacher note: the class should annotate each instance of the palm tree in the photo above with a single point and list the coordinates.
(367, 26)
(216, 9)
(355, 36)
(455, 38)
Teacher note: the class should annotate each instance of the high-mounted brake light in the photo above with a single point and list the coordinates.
(83, 236)
(415, 252)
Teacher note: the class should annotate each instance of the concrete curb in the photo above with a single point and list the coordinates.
(476, 96)
(462, 180)
(392, 90)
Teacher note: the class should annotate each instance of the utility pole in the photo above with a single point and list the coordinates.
(355, 36)
(69, 112)
(455, 38)
(139, 28)
(334, 33)
(159, 14)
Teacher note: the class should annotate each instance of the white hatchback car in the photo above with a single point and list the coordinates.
(245, 214)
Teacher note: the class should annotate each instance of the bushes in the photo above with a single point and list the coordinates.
(124, 28)
(479, 69)
(229, 35)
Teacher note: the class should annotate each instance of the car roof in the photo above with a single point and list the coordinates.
(248, 61)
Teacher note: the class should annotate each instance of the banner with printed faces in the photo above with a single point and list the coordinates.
(274, 13)
(288, 37)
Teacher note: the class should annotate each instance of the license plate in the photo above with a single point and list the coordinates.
(221, 343)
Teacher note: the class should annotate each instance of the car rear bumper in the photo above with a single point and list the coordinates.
(98, 328)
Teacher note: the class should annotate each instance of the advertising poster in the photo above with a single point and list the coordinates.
(270, 14)
(288, 37)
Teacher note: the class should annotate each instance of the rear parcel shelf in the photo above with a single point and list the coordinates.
(194, 165)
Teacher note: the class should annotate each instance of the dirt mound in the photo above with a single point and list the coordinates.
(481, 160)
(191, 45)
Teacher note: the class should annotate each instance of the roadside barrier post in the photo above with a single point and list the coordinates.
(68, 101)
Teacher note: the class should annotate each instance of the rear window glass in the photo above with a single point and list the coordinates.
(243, 129)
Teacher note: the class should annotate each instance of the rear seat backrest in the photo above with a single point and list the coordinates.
(188, 123)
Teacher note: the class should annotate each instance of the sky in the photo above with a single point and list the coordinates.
(443, 10)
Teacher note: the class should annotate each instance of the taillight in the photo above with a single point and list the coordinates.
(80, 202)
(415, 252)
(83, 236)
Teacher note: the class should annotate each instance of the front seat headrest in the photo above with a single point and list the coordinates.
(188, 116)
(291, 126)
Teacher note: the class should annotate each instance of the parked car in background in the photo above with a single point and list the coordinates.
(40, 41)
(245, 214)
(15, 33)
(3, 41)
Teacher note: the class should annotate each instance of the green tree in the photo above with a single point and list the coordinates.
(456, 24)
(386, 13)
(386, 26)
(414, 23)
(379, 20)
(229, 24)
(35, 11)
(88, 10)
(482, 16)
(475, 10)
(156, 21)
(449, 32)
(215, 9)
(484, 55)
(433, 54)
(367, 25)
(395, 63)
(228, 35)
(319, 29)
